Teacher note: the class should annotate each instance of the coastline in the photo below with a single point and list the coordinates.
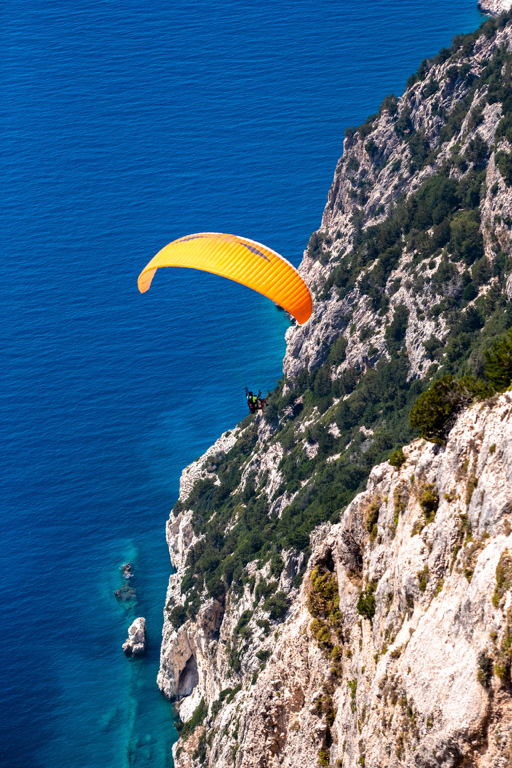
(271, 707)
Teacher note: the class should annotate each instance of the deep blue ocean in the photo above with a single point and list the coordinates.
(126, 125)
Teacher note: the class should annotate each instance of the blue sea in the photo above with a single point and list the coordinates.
(126, 125)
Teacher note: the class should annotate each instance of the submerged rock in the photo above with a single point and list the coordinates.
(135, 645)
(126, 593)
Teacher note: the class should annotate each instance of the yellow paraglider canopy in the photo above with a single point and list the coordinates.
(240, 259)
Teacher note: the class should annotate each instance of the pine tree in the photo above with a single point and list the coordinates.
(498, 367)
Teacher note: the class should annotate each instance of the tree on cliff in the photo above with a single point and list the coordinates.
(499, 363)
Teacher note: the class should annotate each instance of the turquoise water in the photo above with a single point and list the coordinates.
(127, 125)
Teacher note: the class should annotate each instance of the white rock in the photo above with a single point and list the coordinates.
(135, 645)
(494, 7)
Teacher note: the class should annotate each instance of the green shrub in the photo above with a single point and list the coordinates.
(271, 413)
(352, 684)
(481, 271)
(498, 369)
(241, 629)
(232, 693)
(264, 624)
(505, 166)
(390, 104)
(433, 346)
(503, 577)
(366, 601)
(200, 753)
(264, 589)
(178, 616)
(435, 411)
(316, 242)
(397, 458)
(277, 605)
(431, 87)
(337, 352)
(403, 125)
(323, 605)
(423, 578)
(467, 242)
(323, 382)
(395, 332)
(470, 292)
(400, 499)
(372, 148)
(367, 127)
(477, 150)
(372, 518)
(445, 273)
(186, 729)
(429, 502)
(504, 655)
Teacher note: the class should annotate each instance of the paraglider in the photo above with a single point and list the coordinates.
(255, 402)
(240, 259)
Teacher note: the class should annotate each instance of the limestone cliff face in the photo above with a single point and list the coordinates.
(407, 688)
(494, 7)
(413, 683)
(376, 170)
(327, 608)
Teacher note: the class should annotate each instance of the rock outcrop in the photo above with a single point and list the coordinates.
(135, 645)
(494, 7)
(126, 570)
(407, 679)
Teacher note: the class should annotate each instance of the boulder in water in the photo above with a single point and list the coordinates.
(127, 570)
(135, 645)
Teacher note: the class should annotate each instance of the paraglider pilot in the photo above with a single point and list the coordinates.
(252, 401)
(255, 402)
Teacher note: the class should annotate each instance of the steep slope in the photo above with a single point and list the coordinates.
(418, 207)
(388, 652)
(410, 271)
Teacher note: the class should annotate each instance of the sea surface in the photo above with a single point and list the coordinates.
(126, 125)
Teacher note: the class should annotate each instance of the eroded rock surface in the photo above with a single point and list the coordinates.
(373, 174)
(494, 7)
(412, 684)
(135, 645)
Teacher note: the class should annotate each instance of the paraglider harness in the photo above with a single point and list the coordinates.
(255, 402)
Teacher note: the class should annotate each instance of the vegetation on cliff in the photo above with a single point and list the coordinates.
(412, 277)
(429, 257)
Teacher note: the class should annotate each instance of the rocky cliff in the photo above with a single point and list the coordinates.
(494, 7)
(328, 607)
(388, 653)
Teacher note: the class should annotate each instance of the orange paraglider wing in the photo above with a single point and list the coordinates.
(240, 259)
